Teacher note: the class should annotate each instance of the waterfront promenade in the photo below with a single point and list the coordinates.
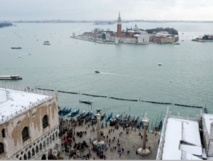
(115, 139)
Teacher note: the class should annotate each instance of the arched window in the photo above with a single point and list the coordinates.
(47, 141)
(44, 144)
(40, 146)
(33, 152)
(1, 148)
(36, 149)
(29, 155)
(43, 157)
(25, 157)
(3, 133)
(45, 121)
(25, 134)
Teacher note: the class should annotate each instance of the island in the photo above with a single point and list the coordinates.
(131, 35)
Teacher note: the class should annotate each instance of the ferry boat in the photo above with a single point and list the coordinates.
(10, 77)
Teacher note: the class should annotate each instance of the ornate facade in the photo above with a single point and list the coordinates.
(31, 129)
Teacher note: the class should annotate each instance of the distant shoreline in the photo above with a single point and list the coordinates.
(5, 24)
(107, 21)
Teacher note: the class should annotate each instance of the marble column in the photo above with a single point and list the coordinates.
(98, 140)
(143, 150)
(98, 126)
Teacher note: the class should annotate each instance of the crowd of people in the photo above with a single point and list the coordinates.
(86, 149)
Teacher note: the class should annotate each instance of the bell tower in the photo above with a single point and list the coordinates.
(119, 26)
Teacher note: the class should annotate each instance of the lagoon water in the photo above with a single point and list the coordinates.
(127, 71)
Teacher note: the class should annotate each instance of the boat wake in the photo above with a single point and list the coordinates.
(116, 74)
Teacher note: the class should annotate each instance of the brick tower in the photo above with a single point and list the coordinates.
(119, 26)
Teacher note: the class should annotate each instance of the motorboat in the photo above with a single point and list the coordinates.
(46, 43)
(10, 77)
(85, 102)
(16, 47)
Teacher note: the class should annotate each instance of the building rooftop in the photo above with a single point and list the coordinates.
(14, 102)
(182, 140)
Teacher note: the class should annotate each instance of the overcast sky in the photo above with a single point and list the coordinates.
(106, 9)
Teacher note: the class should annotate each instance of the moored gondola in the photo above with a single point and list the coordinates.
(66, 111)
(74, 113)
(89, 117)
(103, 116)
(109, 117)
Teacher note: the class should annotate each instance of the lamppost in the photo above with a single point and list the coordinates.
(143, 150)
